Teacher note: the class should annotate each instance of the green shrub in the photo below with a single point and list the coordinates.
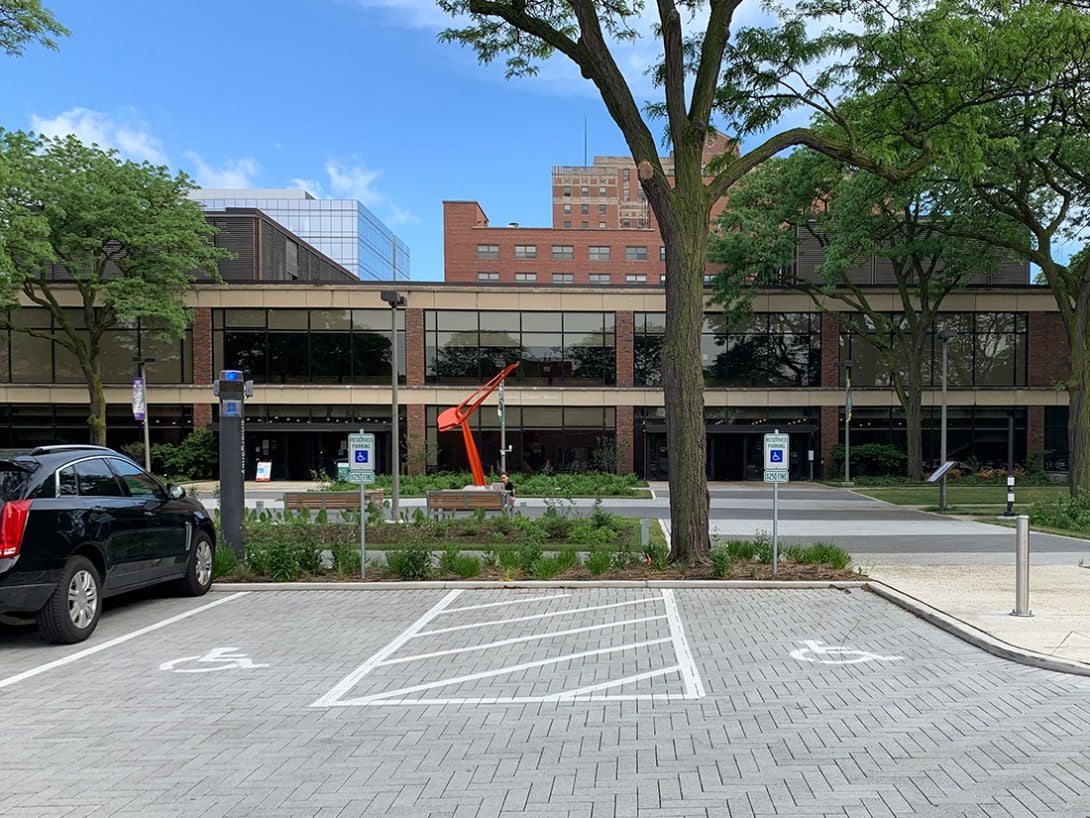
(346, 559)
(823, 553)
(872, 458)
(762, 547)
(721, 562)
(449, 557)
(625, 557)
(490, 559)
(556, 525)
(510, 561)
(412, 564)
(568, 558)
(224, 562)
(196, 457)
(467, 566)
(529, 551)
(1064, 513)
(598, 562)
(741, 550)
(545, 568)
(600, 518)
(657, 555)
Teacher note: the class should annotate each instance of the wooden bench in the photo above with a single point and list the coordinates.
(455, 500)
(329, 500)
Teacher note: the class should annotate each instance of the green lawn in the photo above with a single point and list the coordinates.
(979, 499)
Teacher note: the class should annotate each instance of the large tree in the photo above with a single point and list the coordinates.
(745, 81)
(121, 235)
(27, 21)
(854, 217)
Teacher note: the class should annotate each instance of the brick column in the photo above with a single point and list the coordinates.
(202, 364)
(414, 347)
(625, 421)
(830, 352)
(416, 437)
(1035, 429)
(830, 436)
(624, 343)
(1049, 357)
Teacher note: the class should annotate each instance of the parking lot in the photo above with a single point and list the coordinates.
(551, 702)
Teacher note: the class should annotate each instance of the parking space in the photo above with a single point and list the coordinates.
(552, 702)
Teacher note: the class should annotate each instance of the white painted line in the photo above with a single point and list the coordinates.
(694, 687)
(350, 681)
(665, 526)
(516, 640)
(484, 674)
(34, 671)
(582, 691)
(539, 616)
(636, 697)
(508, 602)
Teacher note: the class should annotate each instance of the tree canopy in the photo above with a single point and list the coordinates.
(26, 21)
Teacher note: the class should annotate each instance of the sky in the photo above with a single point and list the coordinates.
(347, 98)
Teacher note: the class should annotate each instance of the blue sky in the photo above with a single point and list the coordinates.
(349, 98)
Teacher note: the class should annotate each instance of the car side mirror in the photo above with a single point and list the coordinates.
(176, 492)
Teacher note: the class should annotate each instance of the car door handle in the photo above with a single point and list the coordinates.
(149, 513)
(98, 509)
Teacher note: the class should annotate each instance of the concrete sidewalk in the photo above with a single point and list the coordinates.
(984, 596)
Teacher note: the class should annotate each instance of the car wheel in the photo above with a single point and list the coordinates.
(199, 571)
(72, 612)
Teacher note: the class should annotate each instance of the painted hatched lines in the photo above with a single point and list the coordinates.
(603, 659)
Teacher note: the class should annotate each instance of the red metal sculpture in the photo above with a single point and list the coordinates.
(459, 416)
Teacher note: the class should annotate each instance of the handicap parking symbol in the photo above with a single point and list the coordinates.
(775, 456)
(361, 455)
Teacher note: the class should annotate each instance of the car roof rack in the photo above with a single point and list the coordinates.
(69, 447)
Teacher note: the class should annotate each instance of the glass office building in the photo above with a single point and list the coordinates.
(343, 229)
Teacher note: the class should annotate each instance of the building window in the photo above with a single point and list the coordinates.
(635, 254)
(488, 276)
(584, 225)
(602, 191)
(584, 209)
(627, 195)
(563, 251)
(599, 253)
(632, 278)
(563, 278)
(567, 210)
(626, 222)
(662, 253)
(662, 279)
(584, 191)
(525, 276)
(599, 278)
(601, 210)
(488, 251)
(601, 225)
(567, 224)
(567, 190)
(709, 279)
(525, 251)
(639, 194)
(643, 223)
(627, 174)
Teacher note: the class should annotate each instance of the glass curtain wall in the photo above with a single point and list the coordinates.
(570, 348)
(308, 346)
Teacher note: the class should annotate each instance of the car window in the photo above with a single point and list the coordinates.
(136, 480)
(13, 481)
(66, 482)
(96, 479)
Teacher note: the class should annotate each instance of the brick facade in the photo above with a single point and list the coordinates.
(414, 347)
(830, 352)
(1049, 355)
(830, 436)
(1035, 429)
(625, 434)
(416, 436)
(624, 344)
(202, 364)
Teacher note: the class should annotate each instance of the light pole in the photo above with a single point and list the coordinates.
(395, 300)
(847, 367)
(141, 374)
(946, 336)
(503, 432)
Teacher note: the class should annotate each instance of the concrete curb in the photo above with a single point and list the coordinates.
(738, 584)
(974, 635)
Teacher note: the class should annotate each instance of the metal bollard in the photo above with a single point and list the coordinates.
(1021, 582)
(260, 505)
(645, 532)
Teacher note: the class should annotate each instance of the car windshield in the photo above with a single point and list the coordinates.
(13, 481)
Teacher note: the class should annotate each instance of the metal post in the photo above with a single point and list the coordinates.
(848, 426)
(1010, 466)
(775, 526)
(1021, 587)
(503, 432)
(942, 445)
(142, 374)
(645, 532)
(395, 514)
(363, 528)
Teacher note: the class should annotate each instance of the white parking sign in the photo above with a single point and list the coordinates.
(361, 452)
(776, 448)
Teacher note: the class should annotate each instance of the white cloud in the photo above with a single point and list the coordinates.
(234, 173)
(398, 216)
(353, 182)
(130, 138)
(309, 185)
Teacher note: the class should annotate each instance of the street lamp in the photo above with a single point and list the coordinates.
(847, 367)
(140, 396)
(395, 300)
(946, 336)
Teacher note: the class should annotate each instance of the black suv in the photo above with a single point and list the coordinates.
(81, 523)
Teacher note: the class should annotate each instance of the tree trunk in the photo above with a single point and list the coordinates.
(1078, 418)
(96, 420)
(686, 236)
(914, 430)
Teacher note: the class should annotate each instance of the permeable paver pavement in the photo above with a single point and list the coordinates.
(560, 702)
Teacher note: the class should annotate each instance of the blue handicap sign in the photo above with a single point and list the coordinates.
(775, 456)
(361, 455)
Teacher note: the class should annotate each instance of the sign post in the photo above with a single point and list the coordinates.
(777, 447)
(361, 469)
